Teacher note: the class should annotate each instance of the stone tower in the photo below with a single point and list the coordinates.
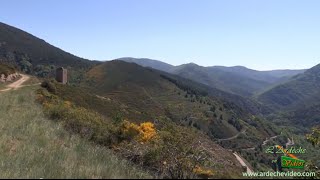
(62, 75)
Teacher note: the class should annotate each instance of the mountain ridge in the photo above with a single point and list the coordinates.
(240, 80)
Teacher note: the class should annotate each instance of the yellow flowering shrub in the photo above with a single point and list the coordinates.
(147, 131)
(67, 104)
(203, 173)
(143, 132)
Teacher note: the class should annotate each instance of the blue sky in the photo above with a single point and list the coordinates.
(259, 34)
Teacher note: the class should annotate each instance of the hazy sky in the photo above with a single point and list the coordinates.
(259, 34)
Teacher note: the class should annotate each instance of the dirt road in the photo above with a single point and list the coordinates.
(289, 143)
(241, 161)
(16, 84)
(233, 137)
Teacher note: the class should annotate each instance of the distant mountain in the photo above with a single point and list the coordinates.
(219, 78)
(306, 116)
(155, 64)
(237, 80)
(272, 76)
(303, 88)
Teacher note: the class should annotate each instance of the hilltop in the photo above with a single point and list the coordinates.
(32, 55)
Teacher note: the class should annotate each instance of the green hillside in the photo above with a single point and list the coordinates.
(220, 79)
(144, 94)
(117, 93)
(149, 143)
(32, 146)
(299, 90)
(35, 56)
(297, 101)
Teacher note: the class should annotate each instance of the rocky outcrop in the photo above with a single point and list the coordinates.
(9, 78)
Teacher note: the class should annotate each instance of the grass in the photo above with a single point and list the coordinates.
(2, 86)
(33, 146)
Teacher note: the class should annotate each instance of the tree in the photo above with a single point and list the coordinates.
(26, 66)
(44, 71)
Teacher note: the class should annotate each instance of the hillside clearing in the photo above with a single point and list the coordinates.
(34, 147)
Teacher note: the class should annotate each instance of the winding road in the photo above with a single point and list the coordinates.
(241, 161)
(267, 140)
(233, 137)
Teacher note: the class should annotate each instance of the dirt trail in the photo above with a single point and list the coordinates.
(267, 140)
(17, 84)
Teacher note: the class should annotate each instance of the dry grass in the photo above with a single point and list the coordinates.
(34, 147)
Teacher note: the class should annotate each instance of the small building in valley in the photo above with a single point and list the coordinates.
(62, 75)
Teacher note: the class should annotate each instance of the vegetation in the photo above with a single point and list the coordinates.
(6, 69)
(314, 137)
(119, 90)
(142, 94)
(34, 147)
(167, 150)
(231, 100)
(300, 90)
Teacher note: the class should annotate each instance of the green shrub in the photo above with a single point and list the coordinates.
(49, 85)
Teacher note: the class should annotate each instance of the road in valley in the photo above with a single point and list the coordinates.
(233, 137)
(241, 161)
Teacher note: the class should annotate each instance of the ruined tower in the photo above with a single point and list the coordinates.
(62, 75)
